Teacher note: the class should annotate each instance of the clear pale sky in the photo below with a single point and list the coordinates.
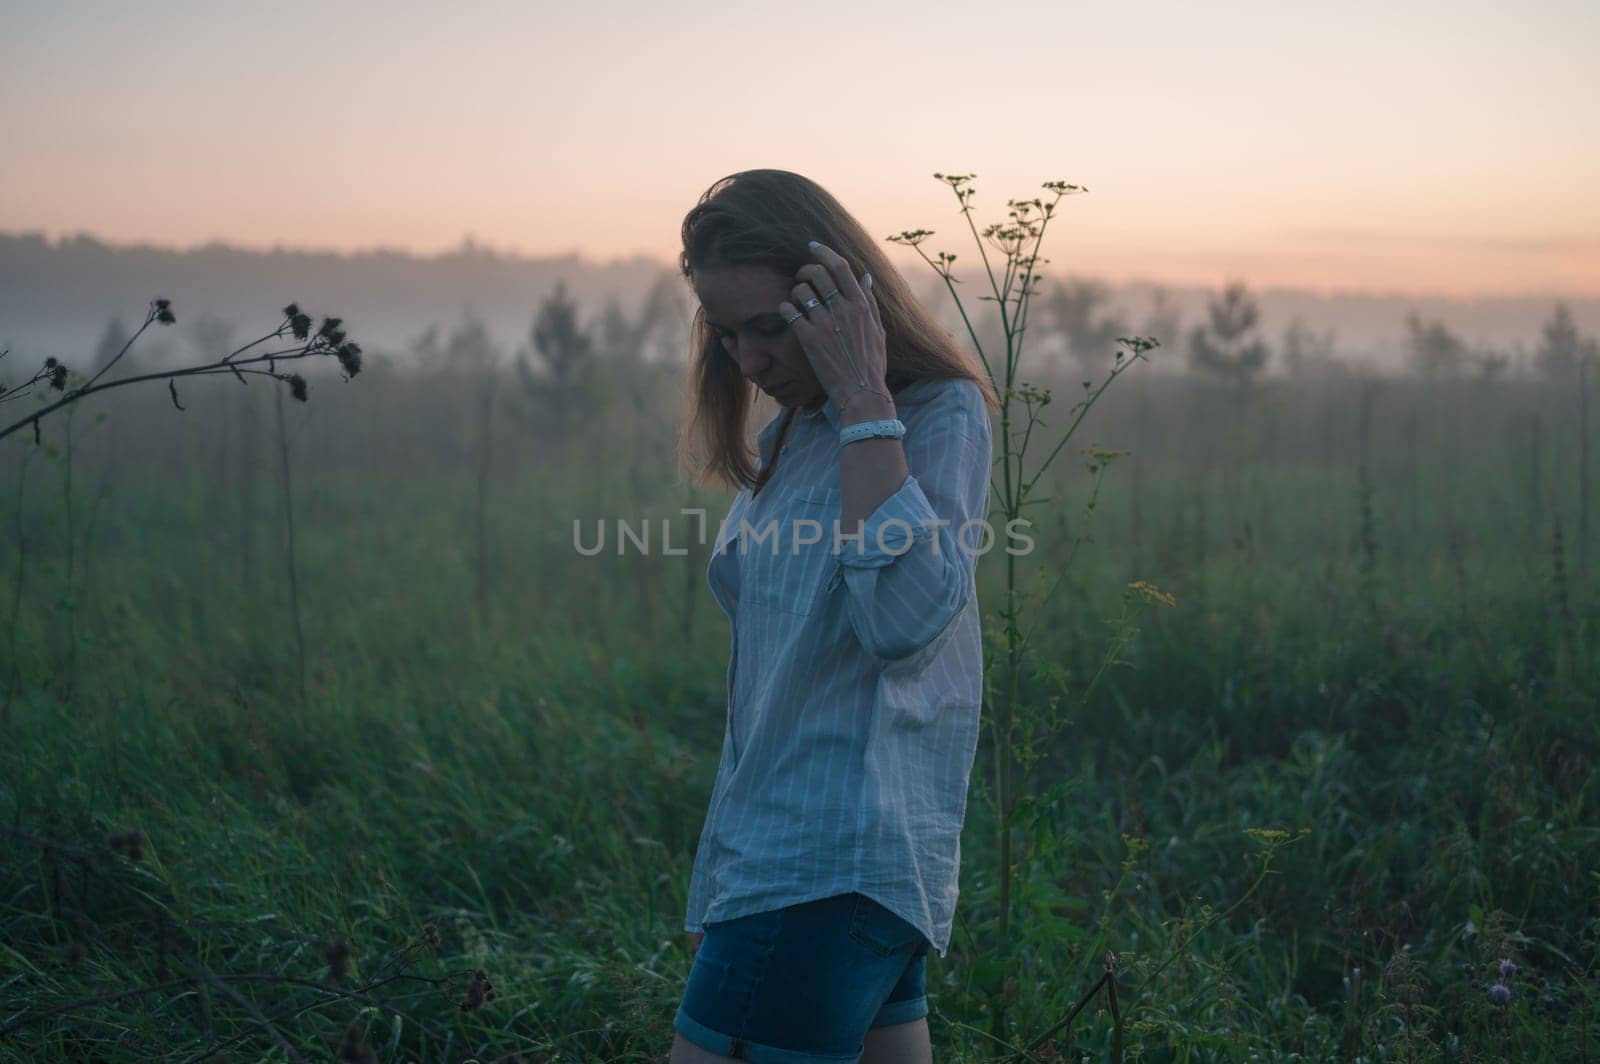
(1427, 147)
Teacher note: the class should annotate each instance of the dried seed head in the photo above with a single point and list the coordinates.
(353, 1048)
(479, 992)
(300, 324)
(297, 386)
(338, 957)
(328, 325)
(349, 354)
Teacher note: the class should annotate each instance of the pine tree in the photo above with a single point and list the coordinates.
(1435, 350)
(1226, 346)
(1562, 347)
(557, 368)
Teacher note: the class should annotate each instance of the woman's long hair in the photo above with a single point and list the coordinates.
(766, 218)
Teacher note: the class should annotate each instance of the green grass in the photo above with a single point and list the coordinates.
(521, 795)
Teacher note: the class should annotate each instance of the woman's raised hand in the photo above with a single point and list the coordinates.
(843, 336)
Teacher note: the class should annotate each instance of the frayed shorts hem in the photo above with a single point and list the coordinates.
(756, 1053)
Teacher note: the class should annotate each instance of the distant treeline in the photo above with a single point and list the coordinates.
(69, 297)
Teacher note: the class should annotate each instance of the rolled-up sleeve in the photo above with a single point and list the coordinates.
(911, 572)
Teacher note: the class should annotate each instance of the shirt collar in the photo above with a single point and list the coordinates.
(826, 410)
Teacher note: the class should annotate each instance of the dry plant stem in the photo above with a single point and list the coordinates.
(1108, 980)
(288, 521)
(202, 972)
(15, 679)
(246, 527)
(70, 599)
(148, 319)
(29, 1018)
(1065, 1023)
(91, 522)
(224, 366)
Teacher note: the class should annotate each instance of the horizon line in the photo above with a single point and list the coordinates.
(469, 243)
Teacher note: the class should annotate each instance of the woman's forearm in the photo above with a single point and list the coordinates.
(869, 470)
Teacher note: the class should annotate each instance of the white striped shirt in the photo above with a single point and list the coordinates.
(855, 677)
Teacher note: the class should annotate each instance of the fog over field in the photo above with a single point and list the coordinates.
(57, 298)
(406, 654)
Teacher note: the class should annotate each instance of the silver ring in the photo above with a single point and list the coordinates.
(791, 321)
(829, 297)
(812, 303)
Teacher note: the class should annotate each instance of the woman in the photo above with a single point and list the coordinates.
(828, 863)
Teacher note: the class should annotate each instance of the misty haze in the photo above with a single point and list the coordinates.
(390, 669)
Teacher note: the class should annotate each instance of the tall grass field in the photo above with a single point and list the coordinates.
(322, 741)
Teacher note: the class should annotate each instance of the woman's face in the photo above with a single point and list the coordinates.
(740, 306)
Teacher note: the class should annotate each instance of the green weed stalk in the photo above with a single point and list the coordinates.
(1021, 729)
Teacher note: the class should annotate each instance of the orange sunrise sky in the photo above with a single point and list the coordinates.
(1429, 147)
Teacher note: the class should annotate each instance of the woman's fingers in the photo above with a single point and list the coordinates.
(821, 280)
(838, 270)
(872, 300)
(805, 290)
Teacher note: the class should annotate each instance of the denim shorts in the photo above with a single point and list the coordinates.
(803, 984)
